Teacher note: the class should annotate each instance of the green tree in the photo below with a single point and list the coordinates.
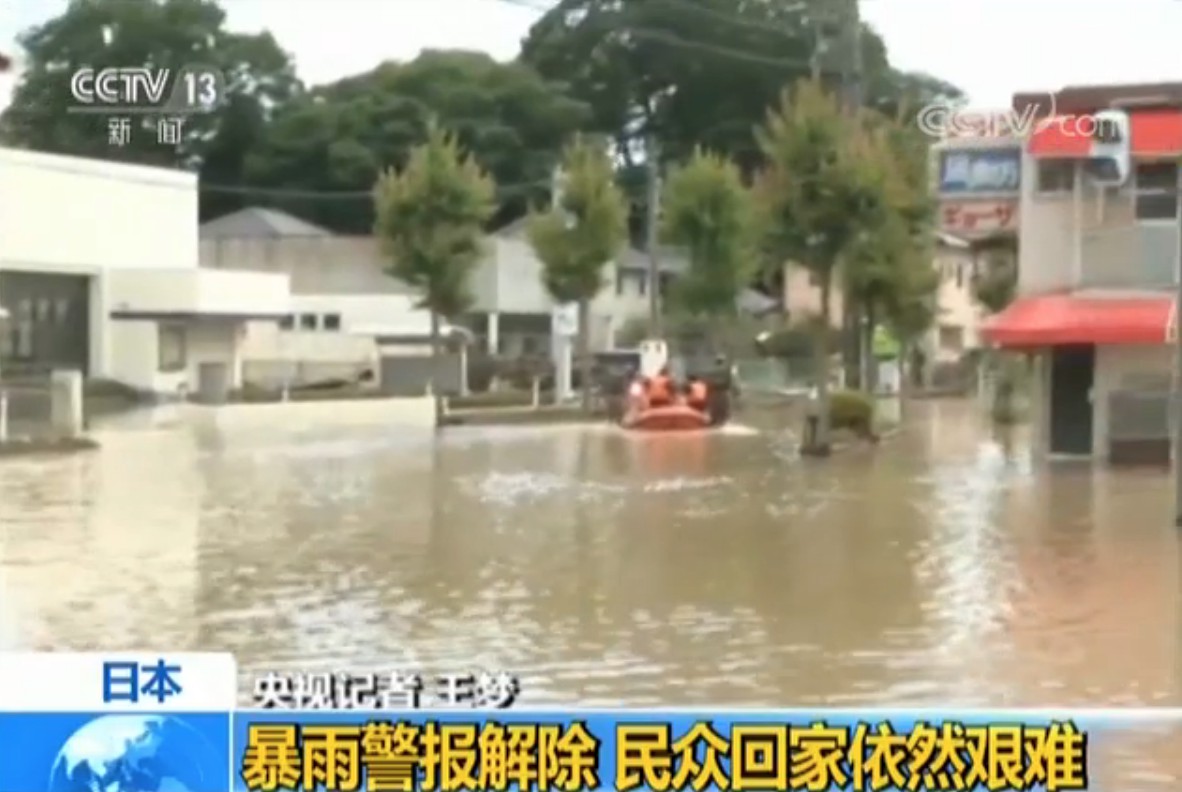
(889, 266)
(816, 201)
(709, 212)
(167, 34)
(430, 221)
(675, 67)
(340, 136)
(581, 233)
(995, 284)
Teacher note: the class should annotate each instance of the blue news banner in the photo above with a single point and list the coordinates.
(167, 723)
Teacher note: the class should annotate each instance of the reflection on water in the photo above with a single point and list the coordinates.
(609, 568)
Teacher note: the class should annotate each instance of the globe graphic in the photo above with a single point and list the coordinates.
(136, 753)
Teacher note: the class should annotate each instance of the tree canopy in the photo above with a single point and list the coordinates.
(708, 211)
(339, 136)
(580, 235)
(693, 72)
(167, 34)
(430, 220)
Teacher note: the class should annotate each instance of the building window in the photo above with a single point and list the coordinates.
(1056, 176)
(172, 353)
(1156, 185)
(331, 322)
(287, 323)
(307, 321)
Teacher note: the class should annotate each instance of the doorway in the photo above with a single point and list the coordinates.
(1073, 375)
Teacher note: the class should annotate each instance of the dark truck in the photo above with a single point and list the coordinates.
(612, 374)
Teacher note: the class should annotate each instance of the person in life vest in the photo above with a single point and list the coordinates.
(637, 396)
(660, 389)
(697, 396)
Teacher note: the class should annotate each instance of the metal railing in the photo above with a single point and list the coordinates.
(1141, 256)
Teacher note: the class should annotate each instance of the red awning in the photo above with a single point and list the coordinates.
(1152, 133)
(1058, 319)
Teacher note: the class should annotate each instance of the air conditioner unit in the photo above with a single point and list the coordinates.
(1108, 163)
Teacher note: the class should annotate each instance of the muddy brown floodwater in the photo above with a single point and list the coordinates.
(942, 568)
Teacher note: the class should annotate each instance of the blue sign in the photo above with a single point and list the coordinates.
(343, 751)
(117, 721)
(981, 171)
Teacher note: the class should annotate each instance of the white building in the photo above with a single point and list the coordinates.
(1098, 264)
(342, 299)
(341, 303)
(99, 271)
(512, 312)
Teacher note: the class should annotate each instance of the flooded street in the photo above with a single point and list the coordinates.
(607, 568)
(939, 569)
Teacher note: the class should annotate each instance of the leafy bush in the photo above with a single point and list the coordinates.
(851, 410)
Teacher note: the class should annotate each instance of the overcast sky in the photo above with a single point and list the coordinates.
(990, 48)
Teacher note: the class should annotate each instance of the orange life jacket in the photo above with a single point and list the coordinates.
(659, 389)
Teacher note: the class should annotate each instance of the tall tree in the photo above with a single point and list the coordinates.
(889, 265)
(341, 135)
(708, 212)
(815, 200)
(430, 222)
(995, 284)
(166, 34)
(702, 72)
(579, 236)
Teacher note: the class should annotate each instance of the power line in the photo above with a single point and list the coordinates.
(675, 40)
(340, 195)
(700, 46)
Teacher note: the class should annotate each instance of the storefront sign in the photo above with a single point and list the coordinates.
(977, 218)
(981, 171)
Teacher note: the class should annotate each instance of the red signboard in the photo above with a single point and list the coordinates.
(979, 218)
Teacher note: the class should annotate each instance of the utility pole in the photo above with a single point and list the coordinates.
(560, 317)
(653, 164)
(854, 334)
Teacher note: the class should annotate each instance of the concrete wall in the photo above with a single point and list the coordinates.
(75, 215)
(194, 291)
(1061, 232)
(206, 341)
(1123, 367)
(388, 413)
(959, 313)
(316, 265)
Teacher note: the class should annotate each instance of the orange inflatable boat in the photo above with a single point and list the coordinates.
(667, 418)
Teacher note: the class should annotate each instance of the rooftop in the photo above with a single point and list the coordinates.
(255, 222)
